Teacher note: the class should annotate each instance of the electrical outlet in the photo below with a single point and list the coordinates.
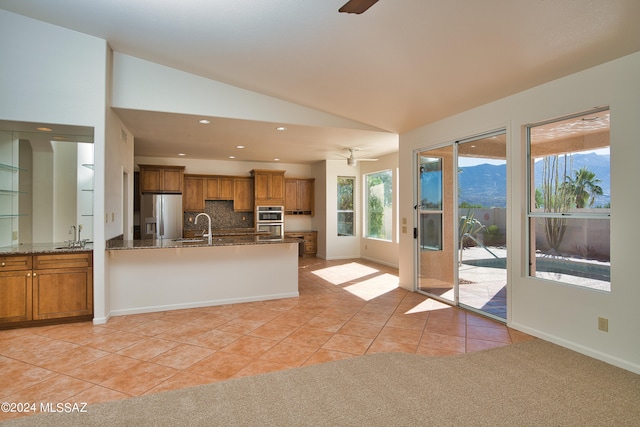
(603, 324)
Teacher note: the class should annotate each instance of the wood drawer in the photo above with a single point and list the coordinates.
(15, 262)
(53, 261)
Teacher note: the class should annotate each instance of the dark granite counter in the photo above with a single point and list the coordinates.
(219, 240)
(42, 248)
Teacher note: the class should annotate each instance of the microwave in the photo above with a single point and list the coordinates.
(269, 214)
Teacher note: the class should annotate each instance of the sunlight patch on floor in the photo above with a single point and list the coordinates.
(344, 273)
(427, 305)
(373, 288)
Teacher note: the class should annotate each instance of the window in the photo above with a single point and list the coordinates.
(345, 205)
(379, 205)
(569, 200)
(430, 205)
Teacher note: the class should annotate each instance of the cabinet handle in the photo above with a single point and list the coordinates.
(28, 274)
(35, 274)
(3, 264)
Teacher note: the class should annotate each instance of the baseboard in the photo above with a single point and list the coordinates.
(587, 351)
(153, 309)
(101, 320)
(377, 261)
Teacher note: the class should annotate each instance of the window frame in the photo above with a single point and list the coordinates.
(365, 209)
(343, 211)
(532, 214)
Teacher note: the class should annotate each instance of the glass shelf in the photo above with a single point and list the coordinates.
(12, 192)
(88, 165)
(11, 168)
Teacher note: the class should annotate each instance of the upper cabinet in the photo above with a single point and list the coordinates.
(299, 196)
(243, 195)
(219, 188)
(200, 188)
(268, 187)
(161, 179)
(193, 195)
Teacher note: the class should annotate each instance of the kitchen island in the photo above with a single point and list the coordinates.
(159, 275)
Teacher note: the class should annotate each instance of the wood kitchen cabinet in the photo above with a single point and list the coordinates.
(268, 187)
(200, 188)
(243, 194)
(161, 179)
(299, 196)
(309, 246)
(193, 195)
(62, 285)
(15, 289)
(219, 188)
(36, 288)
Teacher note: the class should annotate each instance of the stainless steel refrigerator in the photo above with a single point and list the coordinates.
(161, 216)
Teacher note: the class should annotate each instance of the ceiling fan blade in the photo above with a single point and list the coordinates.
(357, 6)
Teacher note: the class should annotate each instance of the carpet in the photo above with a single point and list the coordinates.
(528, 384)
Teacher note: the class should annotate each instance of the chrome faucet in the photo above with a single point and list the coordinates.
(73, 227)
(209, 239)
(76, 242)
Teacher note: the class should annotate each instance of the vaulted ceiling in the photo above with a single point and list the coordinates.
(399, 65)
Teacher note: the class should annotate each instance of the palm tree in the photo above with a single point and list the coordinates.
(584, 187)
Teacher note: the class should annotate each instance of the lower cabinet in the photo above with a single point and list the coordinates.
(36, 288)
(309, 246)
(15, 289)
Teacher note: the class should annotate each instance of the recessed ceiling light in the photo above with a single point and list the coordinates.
(281, 128)
(276, 160)
(232, 157)
(181, 154)
(44, 129)
(204, 121)
(239, 146)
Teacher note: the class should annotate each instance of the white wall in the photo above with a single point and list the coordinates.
(144, 85)
(320, 217)
(559, 313)
(340, 247)
(54, 75)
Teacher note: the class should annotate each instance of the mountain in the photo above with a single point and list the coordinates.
(486, 184)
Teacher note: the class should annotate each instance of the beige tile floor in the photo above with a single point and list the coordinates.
(346, 308)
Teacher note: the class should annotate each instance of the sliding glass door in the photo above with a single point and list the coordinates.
(461, 218)
(482, 224)
(435, 231)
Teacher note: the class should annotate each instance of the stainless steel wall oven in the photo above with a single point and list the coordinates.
(270, 219)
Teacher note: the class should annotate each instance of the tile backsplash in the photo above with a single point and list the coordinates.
(222, 217)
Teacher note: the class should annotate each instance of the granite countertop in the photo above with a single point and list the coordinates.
(224, 232)
(255, 239)
(42, 248)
